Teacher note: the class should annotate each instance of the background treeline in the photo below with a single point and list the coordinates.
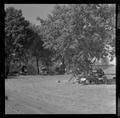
(71, 39)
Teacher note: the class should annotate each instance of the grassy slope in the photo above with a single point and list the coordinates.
(58, 97)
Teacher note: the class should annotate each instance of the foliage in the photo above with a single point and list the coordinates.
(35, 47)
(15, 35)
(80, 34)
(35, 43)
(31, 69)
(15, 32)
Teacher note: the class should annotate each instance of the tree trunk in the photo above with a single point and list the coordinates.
(37, 62)
(63, 66)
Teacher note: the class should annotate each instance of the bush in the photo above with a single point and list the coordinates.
(31, 70)
(13, 69)
(51, 72)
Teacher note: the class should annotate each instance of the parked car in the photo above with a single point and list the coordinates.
(95, 77)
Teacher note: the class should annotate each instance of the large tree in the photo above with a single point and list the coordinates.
(35, 48)
(15, 35)
(34, 45)
(80, 34)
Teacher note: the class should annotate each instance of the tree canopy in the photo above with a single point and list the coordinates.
(80, 33)
(75, 35)
(15, 35)
(15, 32)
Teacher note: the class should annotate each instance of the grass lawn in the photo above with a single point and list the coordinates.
(43, 95)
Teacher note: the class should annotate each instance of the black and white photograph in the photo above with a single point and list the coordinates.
(60, 58)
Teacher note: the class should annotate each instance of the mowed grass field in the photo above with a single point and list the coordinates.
(44, 95)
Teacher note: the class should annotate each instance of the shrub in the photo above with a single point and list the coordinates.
(31, 70)
(13, 69)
